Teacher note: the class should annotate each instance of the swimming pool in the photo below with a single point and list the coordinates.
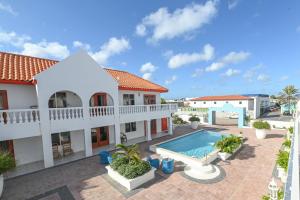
(196, 145)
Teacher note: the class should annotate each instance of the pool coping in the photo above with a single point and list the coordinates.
(184, 158)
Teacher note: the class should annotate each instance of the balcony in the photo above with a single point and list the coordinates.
(24, 123)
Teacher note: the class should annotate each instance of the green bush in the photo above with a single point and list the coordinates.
(7, 162)
(132, 170)
(280, 194)
(287, 143)
(283, 159)
(291, 130)
(228, 144)
(178, 120)
(194, 118)
(261, 125)
(118, 161)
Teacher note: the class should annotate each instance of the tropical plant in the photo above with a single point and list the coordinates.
(283, 159)
(287, 143)
(288, 95)
(178, 120)
(291, 130)
(261, 125)
(194, 118)
(7, 162)
(130, 152)
(247, 119)
(228, 144)
(162, 101)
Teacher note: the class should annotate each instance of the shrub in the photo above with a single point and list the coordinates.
(133, 170)
(194, 118)
(261, 125)
(178, 120)
(7, 162)
(287, 143)
(228, 144)
(291, 130)
(118, 161)
(283, 159)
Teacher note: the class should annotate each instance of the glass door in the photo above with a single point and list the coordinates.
(100, 136)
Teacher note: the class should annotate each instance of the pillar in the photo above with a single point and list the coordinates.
(87, 128)
(170, 128)
(149, 130)
(117, 133)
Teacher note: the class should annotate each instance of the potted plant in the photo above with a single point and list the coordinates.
(261, 128)
(287, 145)
(7, 162)
(194, 121)
(228, 146)
(282, 164)
(290, 133)
(128, 169)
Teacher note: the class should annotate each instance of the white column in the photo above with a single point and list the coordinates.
(117, 120)
(47, 149)
(170, 128)
(149, 130)
(117, 133)
(88, 142)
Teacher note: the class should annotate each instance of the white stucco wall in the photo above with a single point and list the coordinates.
(210, 104)
(28, 150)
(77, 140)
(140, 131)
(20, 96)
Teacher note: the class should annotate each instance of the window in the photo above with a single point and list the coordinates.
(130, 127)
(60, 138)
(128, 99)
(204, 102)
(226, 101)
(194, 102)
(215, 102)
(240, 102)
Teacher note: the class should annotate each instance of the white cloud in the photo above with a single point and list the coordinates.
(168, 54)
(46, 49)
(112, 47)
(181, 59)
(230, 58)
(197, 72)
(252, 72)
(12, 38)
(171, 80)
(167, 25)
(147, 69)
(232, 4)
(284, 78)
(81, 45)
(263, 77)
(231, 72)
(7, 8)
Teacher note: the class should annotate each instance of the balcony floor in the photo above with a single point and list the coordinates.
(39, 165)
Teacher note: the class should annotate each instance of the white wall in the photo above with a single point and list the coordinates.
(28, 150)
(111, 134)
(210, 104)
(138, 96)
(20, 96)
(140, 132)
(77, 140)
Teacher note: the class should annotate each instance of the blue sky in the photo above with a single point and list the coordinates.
(194, 48)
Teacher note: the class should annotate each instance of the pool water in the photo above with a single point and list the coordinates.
(196, 145)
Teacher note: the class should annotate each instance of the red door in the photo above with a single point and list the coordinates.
(100, 136)
(164, 124)
(100, 99)
(153, 126)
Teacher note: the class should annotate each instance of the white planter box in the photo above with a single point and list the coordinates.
(260, 133)
(280, 171)
(224, 156)
(131, 184)
(194, 125)
(284, 177)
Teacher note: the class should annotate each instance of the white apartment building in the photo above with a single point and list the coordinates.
(255, 104)
(48, 106)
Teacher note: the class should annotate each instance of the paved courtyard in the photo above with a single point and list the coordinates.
(247, 176)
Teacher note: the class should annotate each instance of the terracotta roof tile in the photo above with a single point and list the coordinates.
(221, 98)
(21, 69)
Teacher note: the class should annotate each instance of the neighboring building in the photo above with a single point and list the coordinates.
(288, 108)
(50, 108)
(254, 104)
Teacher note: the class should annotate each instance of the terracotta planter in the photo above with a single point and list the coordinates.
(260, 133)
(194, 124)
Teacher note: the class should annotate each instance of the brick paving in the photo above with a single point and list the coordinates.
(247, 175)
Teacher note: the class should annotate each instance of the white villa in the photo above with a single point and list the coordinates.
(51, 110)
(253, 103)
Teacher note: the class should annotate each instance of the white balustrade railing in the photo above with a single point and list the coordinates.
(65, 113)
(132, 109)
(19, 116)
(99, 111)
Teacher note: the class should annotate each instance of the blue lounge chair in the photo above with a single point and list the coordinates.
(153, 162)
(168, 166)
(103, 155)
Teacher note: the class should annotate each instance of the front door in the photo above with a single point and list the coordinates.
(100, 136)
(153, 126)
(164, 124)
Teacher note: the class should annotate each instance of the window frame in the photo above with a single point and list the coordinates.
(130, 127)
(128, 99)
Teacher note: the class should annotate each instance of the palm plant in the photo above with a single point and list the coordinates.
(130, 152)
(288, 95)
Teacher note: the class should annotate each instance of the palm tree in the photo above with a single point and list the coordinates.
(131, 152)
(288, 95)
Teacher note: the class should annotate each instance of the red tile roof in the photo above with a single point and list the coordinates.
(221, 98)
(20, 69)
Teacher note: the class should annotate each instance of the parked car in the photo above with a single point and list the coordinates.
(286, 113)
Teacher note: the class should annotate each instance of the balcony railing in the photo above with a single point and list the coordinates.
(32, 115)
(19, 116)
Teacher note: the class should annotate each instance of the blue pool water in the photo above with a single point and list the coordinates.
(196, 145)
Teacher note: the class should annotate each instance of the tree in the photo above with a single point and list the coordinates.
(162, 101)
(288, 95)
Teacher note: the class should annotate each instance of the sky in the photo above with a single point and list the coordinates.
(194, 48)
